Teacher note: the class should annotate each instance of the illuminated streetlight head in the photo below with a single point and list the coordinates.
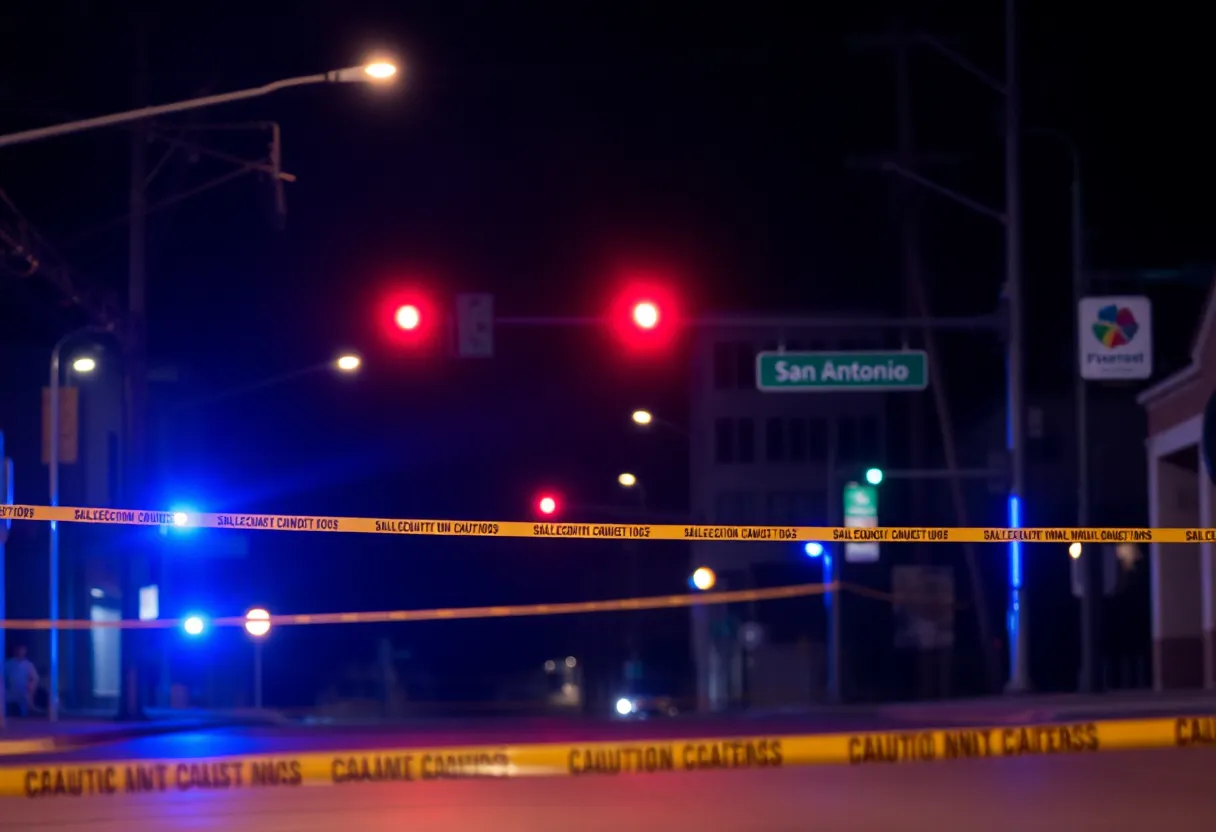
(380, 70)
(257, 622)
(704, 579)
(372, 72)
(1074, 551)
(627, 480)
(348, 362)
(642, 417)
(85, 364)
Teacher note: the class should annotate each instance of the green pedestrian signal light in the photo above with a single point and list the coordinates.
(874, 476)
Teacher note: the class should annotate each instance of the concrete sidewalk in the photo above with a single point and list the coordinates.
(33, 735)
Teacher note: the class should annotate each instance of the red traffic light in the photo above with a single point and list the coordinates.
(408, 317)
(644, 317)
(547, 505)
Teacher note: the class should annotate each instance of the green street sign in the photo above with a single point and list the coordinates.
(862, 372)
(860, 512)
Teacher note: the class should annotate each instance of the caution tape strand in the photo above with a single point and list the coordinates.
(570, 530)
(449, 613)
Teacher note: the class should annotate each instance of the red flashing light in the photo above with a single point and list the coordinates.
(406, 317)
(644, 317)
(547, 505)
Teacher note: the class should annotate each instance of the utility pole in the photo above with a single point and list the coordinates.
(1019, 639)
(134, 558)
(1010, 219)
(909, 232)
(919, 307)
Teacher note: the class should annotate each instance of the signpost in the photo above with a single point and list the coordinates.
(923, 598)
(1115, 338)
(860, 512)
(828, 372)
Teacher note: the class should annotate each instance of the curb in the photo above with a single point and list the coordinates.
(399, 766)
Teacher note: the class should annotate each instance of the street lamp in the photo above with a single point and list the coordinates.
(627, 480)
(347, 363)
(644, 419)
(704, 579)
(374, 72)
(257, 624)
(83, 365)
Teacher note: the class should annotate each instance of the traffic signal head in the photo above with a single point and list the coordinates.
(644, 316)
(408, 318)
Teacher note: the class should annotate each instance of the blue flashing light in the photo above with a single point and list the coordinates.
(182, 516)
(1015, 546)
(194, 625)
(813, 549)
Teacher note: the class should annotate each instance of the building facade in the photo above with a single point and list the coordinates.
(769, 459)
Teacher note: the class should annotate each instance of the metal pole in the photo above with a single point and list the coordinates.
(145, 113)
(134, 561)
(52, 699)
(257, 673)
(6, 481)
(1019, 670)
(1092, 566)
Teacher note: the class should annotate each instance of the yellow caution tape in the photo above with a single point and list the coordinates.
(448, 613)
(599, 531)
(592, 759)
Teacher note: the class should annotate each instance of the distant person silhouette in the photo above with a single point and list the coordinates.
(20, 683)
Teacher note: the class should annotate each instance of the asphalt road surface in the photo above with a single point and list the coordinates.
(1174, 790)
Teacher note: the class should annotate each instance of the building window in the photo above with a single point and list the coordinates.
(777, 509)
(868, 443)
(746, 358)
(1034, 423)
(846, 440)
(724, 440)
(747, 441)
(735, 507)
(724, 365)
(818, 440)
(774, 440)
(798, 443)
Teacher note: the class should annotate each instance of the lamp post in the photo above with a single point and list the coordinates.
(346, 363)
(375, 72)
(257, 624)
(83, 365)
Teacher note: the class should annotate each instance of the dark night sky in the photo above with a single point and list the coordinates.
(535, 147)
